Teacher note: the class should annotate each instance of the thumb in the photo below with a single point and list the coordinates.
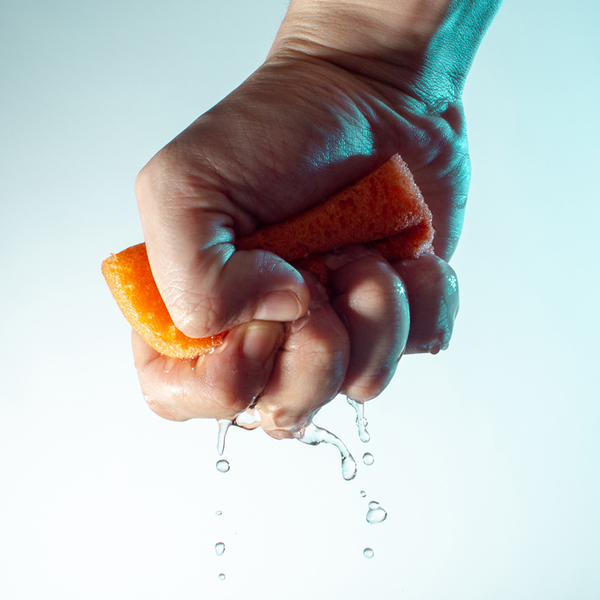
(207, 285)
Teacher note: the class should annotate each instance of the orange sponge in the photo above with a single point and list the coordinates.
(131, 282)
(385, 208)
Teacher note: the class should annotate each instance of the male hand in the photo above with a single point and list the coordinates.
(323, 111)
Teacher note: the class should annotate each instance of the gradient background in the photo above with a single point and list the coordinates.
(487, 456)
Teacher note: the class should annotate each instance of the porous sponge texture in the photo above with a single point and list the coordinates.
(130, 280)
(380, 205)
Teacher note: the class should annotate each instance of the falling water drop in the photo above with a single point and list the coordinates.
(224, 425)
(223, 466)
(221, 576)
(219, 548)
(314, 435)
(368, 553)
(376, 514)
(361, 422)
(368, 459)
(218, 513)
(363, 494)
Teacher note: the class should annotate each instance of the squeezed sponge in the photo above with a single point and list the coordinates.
(385, 208)
(131, 282)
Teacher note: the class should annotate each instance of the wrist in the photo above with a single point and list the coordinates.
(420, 47)
(369, 27)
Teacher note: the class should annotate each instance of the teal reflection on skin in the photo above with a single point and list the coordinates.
(354, 138)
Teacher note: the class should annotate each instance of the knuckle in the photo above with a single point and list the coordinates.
(383, 292)
(168, 175)
(197, 313)
(228, 404)
(366, 388)
(150, 176)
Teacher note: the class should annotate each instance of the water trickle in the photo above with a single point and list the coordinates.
(248, 419)
(221, 576)
(224, 425)
(368, 459)
(368, 553)
(361, 422)
(219, 548)
(376, 514)
(223, 466)
(314, 435)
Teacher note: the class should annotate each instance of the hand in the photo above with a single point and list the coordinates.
(312, 120)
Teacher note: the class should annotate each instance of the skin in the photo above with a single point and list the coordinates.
(345, 86)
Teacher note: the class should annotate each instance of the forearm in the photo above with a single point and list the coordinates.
(427, 45)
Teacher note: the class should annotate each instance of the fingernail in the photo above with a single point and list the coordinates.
(260, 342)
(279, 306)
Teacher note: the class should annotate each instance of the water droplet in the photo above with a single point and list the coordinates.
(314, 435)
(348, 468)
(224, 425)
(368, 459)
(376, 514)
(218, 513)
(363, 494)
(368, 553)
(223, 466)
(219, 548)
(361, 422)
(248, 419)
(221, 576)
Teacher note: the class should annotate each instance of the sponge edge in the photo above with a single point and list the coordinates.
(381, 205)
(130, 280)
(407, 244)
(385, 208)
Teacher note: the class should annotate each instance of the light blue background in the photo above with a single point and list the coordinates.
(486, 455)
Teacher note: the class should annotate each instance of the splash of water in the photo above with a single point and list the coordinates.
(314, 435)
